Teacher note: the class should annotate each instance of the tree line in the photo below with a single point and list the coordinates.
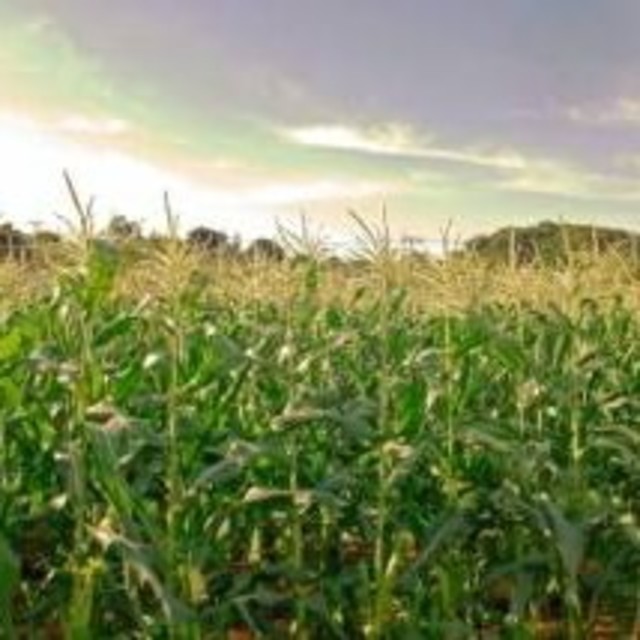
(16, 244)
(548, 243)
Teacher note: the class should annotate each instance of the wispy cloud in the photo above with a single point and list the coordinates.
(569, 181)
(400, 141)
(390, 139)
(506, 170)
(623, 111)
(82, 125)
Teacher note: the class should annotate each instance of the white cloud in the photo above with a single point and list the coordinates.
(78, 124)
(313, 191)
(38, 24)
(390, 139)
(623, 111)
(565, 180)
(510, 170)
(400, 141)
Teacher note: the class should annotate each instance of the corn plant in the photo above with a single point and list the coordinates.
(190, 464)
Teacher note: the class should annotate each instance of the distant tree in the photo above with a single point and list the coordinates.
(44, 243)
(42, 236)
(121, 228)
(208, 239)
(550, 243)
(14, 244)
(266, 249)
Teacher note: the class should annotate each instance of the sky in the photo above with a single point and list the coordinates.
(253, 114)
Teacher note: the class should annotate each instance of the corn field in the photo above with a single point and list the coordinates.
(193, 452)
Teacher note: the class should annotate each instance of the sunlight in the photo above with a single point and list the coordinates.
(33, 153)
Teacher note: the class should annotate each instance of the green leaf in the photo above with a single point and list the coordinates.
(569, 538)
(121, 325)
(10, 345)
(137, 557)
(9, 578)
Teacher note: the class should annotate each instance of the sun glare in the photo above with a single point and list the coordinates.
(33, 156)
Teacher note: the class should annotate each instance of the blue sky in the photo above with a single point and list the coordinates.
(482, 113)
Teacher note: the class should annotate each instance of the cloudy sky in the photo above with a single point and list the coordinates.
(250, 111)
